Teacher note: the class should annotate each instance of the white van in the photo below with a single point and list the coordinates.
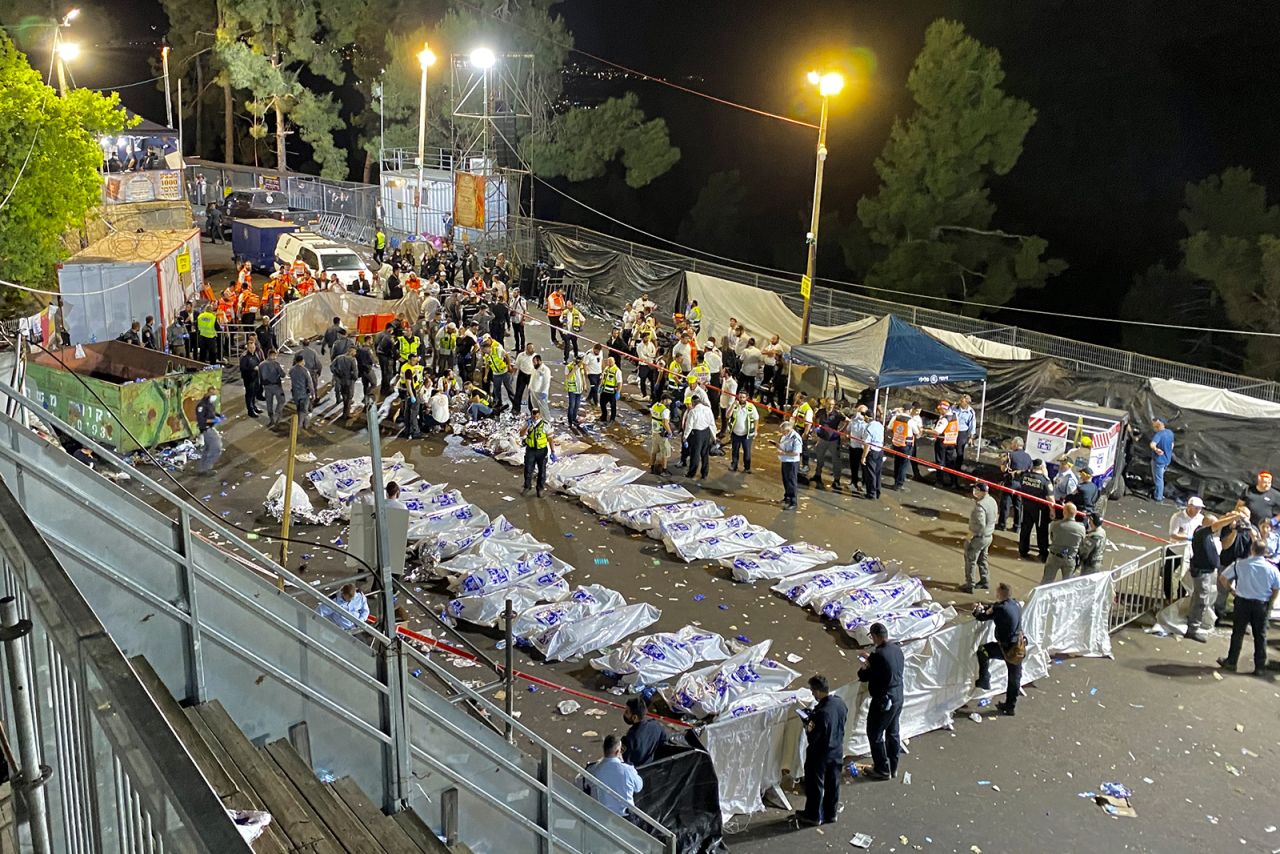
(321, 255)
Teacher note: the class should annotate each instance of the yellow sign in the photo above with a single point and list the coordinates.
(184, 262)
(468, 200)
(806, 286)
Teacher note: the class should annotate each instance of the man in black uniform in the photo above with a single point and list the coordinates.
(1013, 468)
(249, 363)
(883, 674)
(824, 756)
(1006, 614)
(640, 744)
(1035, 514)
(364, 364)
(385, 347)
(345, 371)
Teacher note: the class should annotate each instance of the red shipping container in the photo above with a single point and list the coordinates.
(371, 324)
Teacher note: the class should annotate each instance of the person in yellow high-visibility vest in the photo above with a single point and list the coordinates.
(207, 332)
(495, 362)
(538, 443)
(610, 389)
(694, 316)
(575, 379)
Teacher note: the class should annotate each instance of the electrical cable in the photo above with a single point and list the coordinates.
(151, 457)
(128, 85)
(648, 77)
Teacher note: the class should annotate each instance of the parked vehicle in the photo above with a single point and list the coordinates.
(255, 240)
(321, 255)
(263, 204)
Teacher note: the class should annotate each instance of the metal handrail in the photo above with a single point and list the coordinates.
(144, 742)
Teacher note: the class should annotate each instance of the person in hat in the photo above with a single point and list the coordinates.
(1183, 525)
(946, 435)
(982, 527)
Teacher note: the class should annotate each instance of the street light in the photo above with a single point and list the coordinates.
(828, 84)
(70, 16)
(66, 52)
(426, 59)
(483, 58)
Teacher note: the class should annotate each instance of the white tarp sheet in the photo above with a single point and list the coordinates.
(488, 576)
(761, 312)
(825, 583)
(651, 659)
(314, 313)
(772, 700)
(901, 590)
(685, 530)
(578, 637)
(649, 520)
(780, 562)
(737, 543)
(442, 546)
(300, 507)
(584, 601)
(487, 608)
(1214, 400)
(577, 466)
(972, 345)
(749, 754)
(341, 481)
(601, 481)
(710, 690)
(635, 496)
(446, 519)
(904, 624)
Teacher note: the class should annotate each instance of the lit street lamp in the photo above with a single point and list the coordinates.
(66, 52)
(828, 84)
(426, 59)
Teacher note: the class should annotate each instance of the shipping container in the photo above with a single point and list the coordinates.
(254, 240)
(124, 396)
(126, 277)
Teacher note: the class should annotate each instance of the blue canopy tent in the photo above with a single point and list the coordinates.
(892, 353)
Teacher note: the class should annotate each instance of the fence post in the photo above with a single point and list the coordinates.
(33, 773)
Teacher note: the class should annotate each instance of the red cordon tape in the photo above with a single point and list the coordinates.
(528, 677)
(887, 449)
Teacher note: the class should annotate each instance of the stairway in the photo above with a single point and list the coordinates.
(307, 815)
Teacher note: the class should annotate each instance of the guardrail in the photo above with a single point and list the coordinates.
(1143, 586)
(213, 624)
(120, 778)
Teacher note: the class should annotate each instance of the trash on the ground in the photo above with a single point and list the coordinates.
(1117, 790)
(568, 707)
(975, 717)
(1233, 770)
(861, 840)
(906, 778)
(306, 457)
(1239, 727)
(1217, 675)
(792, 658)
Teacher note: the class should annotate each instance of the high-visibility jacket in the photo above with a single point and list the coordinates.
(206, 293)
(413, 283)
(379, 241)
(249, 302)
(753, 415)
(611, 379)
(408, 347)
(574, 320)
(244, 277)
(225, 316)
(411, 379)
(573, 380)
(537, 436)
(673, 370)
(206, 324)
(445, 343)
(900, 430)
(480, 398)
(801, 415)
(306, 285)
(230, 293)
(702, 372)
(951, 432)
(494, 360)
(695, 316)
(555, 304)
(659, 419)
(298, 268)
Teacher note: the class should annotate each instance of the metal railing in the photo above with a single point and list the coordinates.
(201, 604)
(1142, 586)
(120, 780)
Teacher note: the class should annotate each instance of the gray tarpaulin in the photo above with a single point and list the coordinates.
(616, 278)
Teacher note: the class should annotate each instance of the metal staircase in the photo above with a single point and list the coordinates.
(172, 584)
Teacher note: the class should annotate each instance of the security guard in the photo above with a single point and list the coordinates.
(659, 438)
(610, 383)
(407, 346)
(1035, 511)
(946, 435)
(537, 443)
(495, 362)
(1006, 614)
(207, 331)
(555, 309)
(379, 245)
(571, 325)
(574, 380)
(411, 390)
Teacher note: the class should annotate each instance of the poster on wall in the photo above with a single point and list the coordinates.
(139, 189)
(270, 182)
(170, 185)
(468, 200)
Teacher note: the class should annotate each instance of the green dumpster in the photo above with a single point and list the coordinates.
(109, 384)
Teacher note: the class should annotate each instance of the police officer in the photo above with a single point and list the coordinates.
(1066, 536)
(207, 420)
(882, 671)
(345, 371)
(1006, 614)
(272, 377)
(982, 525)
(302, 389)
(824, 754)
(364, 366)
(537, 443)
(1013, 467)
(1035, 512)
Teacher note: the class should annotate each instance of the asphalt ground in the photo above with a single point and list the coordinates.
(1155, 712)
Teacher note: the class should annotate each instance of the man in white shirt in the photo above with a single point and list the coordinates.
(647, 354)
(593, 364)
(751, 364)
(857, 431)
(519, 307)
(524, 373)
(350, 607)
(699, 432)
(712, 358)
(438, 406)
(728, 393)
(1182, 526)
(540, 388)
(742, 419)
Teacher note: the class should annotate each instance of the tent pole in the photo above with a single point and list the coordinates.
(982, 417)
(875, 401)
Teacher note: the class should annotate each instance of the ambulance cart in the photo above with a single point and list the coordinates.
(1091, 435)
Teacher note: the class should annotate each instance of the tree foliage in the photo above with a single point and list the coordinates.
(581, 143)
(1233, 243)
(932, 213)
(715, 221)
(267, 45)
(49, 162)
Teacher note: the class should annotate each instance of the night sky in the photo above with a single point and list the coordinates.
(1135, 99)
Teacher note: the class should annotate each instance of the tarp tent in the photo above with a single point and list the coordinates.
(889, 353)
(615, 278)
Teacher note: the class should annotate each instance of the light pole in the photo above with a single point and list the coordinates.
(67, 51)
(484, 59)
(425, 58)
(828, 84)
(168, 98)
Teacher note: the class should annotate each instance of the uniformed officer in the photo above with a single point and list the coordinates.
(946, 436)
(1035, 512)
(411, 393)
(1066, 536)
(207, 331)
(610, 388)
(659, 437)
(1013, 467)
(345, 372)
(882, 672)
(824, 755)
(537, 444)
(1006, 614)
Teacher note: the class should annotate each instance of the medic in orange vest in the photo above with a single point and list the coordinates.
(413, 283)
(298, 268)
(245, 275)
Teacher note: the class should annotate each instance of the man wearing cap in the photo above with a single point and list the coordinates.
(1161, 445)
(1182, 526)
(982, 526)
(1065, 484)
